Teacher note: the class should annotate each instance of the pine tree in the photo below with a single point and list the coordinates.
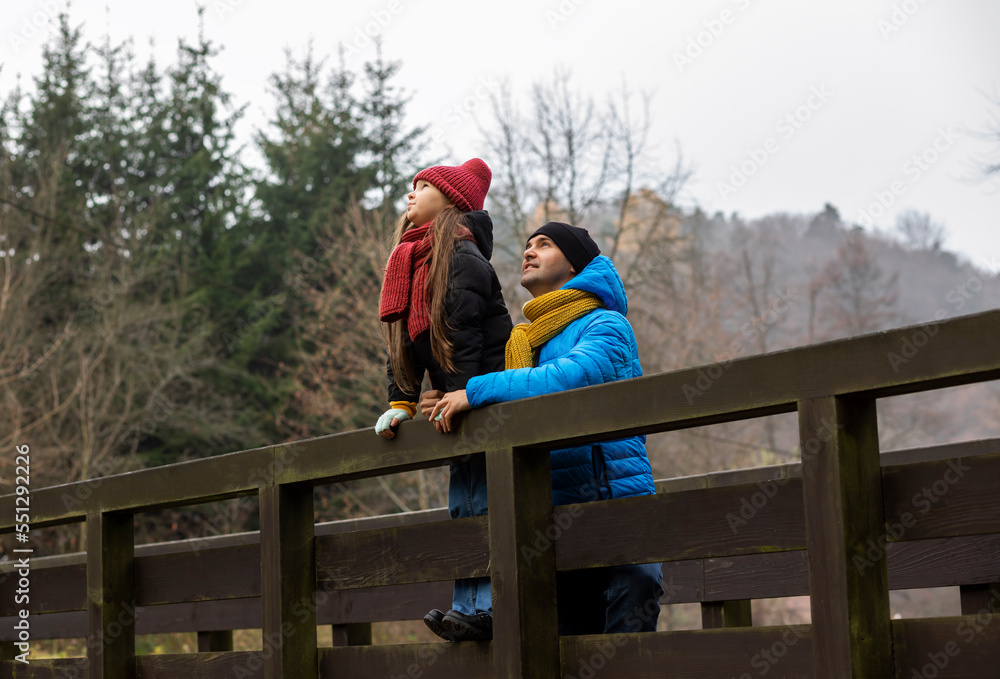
(394, 152)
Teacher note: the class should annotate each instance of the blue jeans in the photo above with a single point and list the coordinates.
(467, 497)
(610, 600)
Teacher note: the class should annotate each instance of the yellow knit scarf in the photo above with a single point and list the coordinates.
(549, 314)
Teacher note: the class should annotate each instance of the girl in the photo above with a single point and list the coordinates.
(444, 314)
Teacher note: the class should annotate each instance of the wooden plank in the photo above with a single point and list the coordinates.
(842, 489)
(525, 621)
(730, 477)
(888, 458)
(757, 576)
(732, 613)
(444, 550)
(944, 562)
(199, 616)
(65, 625)
(468, 660)
(52, 590)
(692, 524)
(226, 573)
(192, 482)
(55, 668)
(243, 664)
(943, 498)
(288, 579)
(110, 596)
(960, 647)
(382, 604)
(941, 451)
(912, 565)
(740, 653)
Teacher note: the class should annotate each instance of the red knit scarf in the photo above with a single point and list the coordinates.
(404, 291)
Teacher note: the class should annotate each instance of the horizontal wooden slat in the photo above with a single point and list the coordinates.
(228, 573)
(920, 564)
(382, 604)
(756, 576)
(436, 551)
(196, 481)
(740, 653)
(680, 526)
(171, 618)
(960, 647)
(888, 458)
(943, 498)
(468, 660)
(247, 664)
(52, 589)
(56, 668)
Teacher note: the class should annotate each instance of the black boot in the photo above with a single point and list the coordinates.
(434, 620)
(463, 627)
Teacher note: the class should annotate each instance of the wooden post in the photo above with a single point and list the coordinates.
(288, 582)
(845, 538)
(110, 596)
(736, 613)
(216, 640)
(525, 621)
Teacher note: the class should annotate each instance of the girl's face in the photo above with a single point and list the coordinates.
(425, 203)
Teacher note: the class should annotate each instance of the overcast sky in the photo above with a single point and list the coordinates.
(781, 105)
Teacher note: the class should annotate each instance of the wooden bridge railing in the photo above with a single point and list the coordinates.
(825, 531)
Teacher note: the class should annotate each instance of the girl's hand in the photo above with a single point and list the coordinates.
(450, 405)
(428, 400)
(386, 425)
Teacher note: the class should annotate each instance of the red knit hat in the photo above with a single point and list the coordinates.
(466, 185)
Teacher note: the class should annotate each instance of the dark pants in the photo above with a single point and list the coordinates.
(609, 600)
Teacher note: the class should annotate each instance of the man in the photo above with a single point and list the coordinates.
(577, 336)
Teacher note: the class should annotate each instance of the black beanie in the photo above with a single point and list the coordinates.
(576, 243)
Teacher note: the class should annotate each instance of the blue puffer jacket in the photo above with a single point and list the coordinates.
(597, 348)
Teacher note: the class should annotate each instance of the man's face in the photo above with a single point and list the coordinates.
(425, 202)
(545, 268)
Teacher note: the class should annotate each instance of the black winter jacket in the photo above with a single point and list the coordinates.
(477, 316)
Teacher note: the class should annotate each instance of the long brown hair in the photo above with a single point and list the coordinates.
(446, 231)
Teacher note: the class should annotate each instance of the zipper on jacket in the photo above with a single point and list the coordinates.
(600, 471)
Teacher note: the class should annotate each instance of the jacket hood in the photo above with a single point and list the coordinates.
(601, 278)
(481, 226)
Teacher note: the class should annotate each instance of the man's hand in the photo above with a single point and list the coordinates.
(428, 400)
(450, 405)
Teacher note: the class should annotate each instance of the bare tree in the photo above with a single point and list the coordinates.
(919, 231)
(859, 296)
(569, 159)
